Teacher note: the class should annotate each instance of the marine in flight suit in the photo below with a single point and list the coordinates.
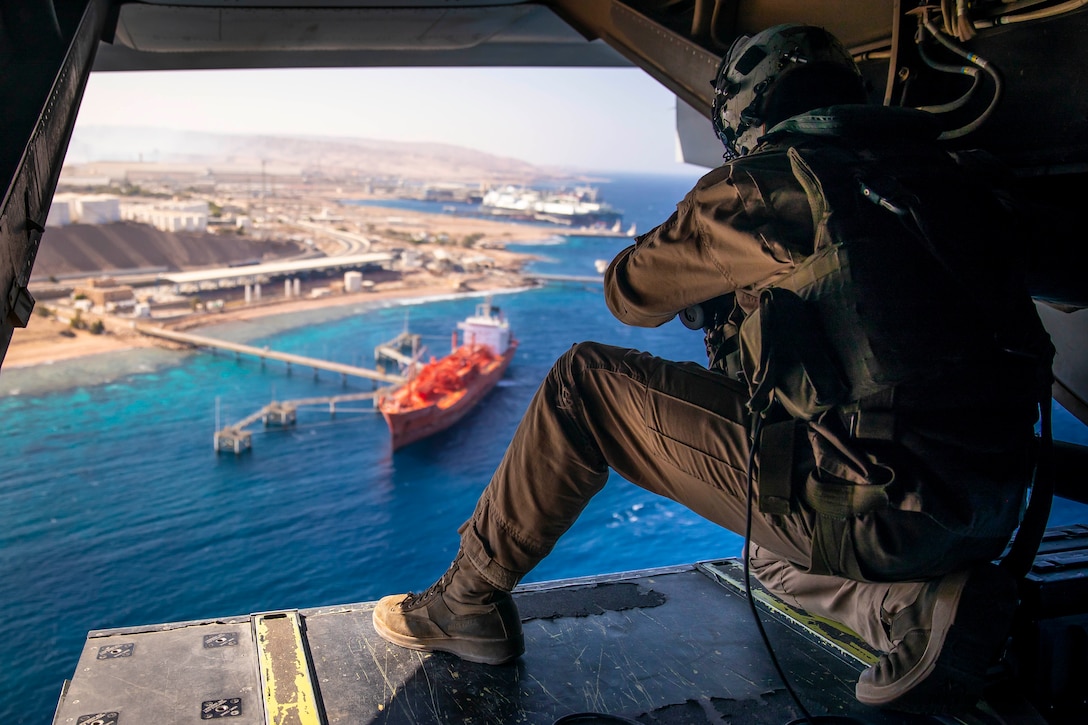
(905, 576)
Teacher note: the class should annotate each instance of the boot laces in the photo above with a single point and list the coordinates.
(412, 599)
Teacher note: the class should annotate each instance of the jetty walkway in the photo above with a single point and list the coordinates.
(264, 353)
(236, 439)
(585, 279)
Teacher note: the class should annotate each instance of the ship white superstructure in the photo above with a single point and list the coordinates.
(580, 205)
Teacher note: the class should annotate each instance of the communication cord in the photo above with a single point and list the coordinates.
(806, 716)
(757, 429)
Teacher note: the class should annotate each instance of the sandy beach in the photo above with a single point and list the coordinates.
(49, 340)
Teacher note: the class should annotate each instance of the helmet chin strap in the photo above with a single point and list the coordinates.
(729, 137)
(729, 140)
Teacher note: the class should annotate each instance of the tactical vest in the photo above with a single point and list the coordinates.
(908, 288)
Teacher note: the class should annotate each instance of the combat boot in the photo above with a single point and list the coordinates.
(943, 644)
(461, 613)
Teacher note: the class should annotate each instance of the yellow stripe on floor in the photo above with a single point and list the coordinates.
(289, 695)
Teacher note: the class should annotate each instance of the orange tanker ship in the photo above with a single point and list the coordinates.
(443, 391)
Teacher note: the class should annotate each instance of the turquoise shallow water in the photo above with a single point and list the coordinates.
(116, 511)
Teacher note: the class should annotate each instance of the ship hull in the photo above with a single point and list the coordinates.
(414, 424)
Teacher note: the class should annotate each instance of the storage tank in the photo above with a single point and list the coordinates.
(97, 209)
(60, 212)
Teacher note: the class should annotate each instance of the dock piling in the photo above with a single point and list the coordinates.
(234, 440)
(282, 413)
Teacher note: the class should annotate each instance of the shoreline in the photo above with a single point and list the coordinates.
(46, 342)
(49, 355)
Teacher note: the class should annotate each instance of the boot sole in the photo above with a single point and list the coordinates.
(481, 651)
(951, 673)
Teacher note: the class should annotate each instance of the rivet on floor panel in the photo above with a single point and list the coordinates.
(222, 639)
(100, 718)
(113, 651)
(227, 707)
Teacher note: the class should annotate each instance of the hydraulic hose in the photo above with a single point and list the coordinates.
(968, 70)
(981, 63)
(957, 23)
(1050, 12)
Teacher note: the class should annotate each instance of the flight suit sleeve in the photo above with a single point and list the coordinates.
(716, 242)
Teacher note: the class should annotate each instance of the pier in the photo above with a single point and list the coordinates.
(613, 233)
(584, 279)
(236, 439)
(403, 350)
(264, 353)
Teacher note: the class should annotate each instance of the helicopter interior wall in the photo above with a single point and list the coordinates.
(855, 24)
(163, 37)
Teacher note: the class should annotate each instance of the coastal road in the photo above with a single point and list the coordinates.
(353, 243)
(264, 353)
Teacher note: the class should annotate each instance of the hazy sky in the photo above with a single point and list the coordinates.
(606, 119)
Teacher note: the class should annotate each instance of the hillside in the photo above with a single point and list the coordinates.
(125, 245)
(295, 155)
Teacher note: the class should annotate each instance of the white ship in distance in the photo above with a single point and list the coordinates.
(581, 205)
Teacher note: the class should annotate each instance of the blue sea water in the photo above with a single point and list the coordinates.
(116, 511)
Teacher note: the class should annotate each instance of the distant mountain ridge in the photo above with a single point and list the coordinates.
(334, 156)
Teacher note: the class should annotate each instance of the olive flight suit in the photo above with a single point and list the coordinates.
(957, 471)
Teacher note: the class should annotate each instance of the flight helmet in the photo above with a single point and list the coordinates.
(775, 74)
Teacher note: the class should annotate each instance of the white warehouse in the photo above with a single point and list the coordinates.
(83, 209)
(188, 216)
(96, 209)
(60, 211)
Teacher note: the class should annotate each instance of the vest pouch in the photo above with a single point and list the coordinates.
(902, 293)
(787, 356)
(902, 282)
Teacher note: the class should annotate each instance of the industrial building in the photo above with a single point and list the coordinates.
(84, 209)
(186, 216)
